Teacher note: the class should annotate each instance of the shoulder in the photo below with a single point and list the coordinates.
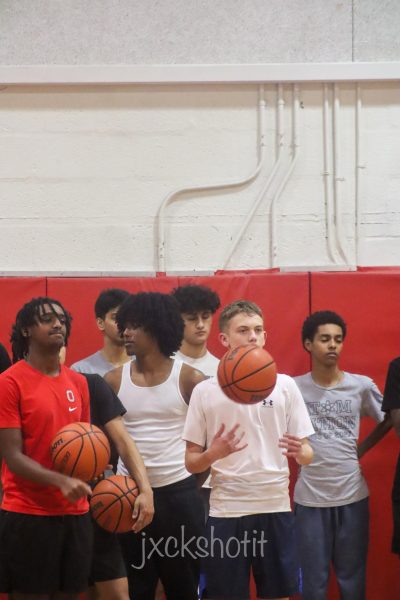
(114, 377)
(362, 382)
(85, 363)
(189, 378)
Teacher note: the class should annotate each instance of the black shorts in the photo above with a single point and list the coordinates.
(107, 562)
(264, 543)
(44, 554)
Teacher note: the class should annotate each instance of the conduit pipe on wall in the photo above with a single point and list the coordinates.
(280, 140)
(359, 166)
(279, 191)
(329, 212)
(161, 265)
(337, 177)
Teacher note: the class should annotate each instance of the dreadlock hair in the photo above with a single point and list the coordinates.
(109, 299)
(321, 317)
(29, 315)
(158, 314)
(196, 298)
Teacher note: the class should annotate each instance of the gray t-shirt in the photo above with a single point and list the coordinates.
(334, 477)
(95, 363)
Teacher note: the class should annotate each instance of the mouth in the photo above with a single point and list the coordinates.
(331, 355)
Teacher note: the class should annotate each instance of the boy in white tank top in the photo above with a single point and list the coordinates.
(155, 391)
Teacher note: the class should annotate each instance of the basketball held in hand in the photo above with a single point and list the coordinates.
(80, 450)
(247, 374)
(112, 503)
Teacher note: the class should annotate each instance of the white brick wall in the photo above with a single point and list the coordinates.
(84, 171)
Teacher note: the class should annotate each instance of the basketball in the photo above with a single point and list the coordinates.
(112, 503)
(80, 450)
(247, 374)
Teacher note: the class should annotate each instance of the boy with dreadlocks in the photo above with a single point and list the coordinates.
(45, 529)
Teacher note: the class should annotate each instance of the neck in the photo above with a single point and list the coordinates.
(193, 351)
(152, 362)
(326, 376)
(116, 355)
(47, 363)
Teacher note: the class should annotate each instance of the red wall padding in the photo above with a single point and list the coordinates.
(14, 292)
(369, 302)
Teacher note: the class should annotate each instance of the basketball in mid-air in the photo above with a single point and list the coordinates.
(247, 374)
(112, 503)
(80, 450)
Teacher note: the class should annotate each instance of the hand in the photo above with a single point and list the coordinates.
(143, 512)
(296, 448)
(291, 443)
(224, 445)
(73, 489)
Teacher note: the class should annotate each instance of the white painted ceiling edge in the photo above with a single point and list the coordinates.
(223, 73)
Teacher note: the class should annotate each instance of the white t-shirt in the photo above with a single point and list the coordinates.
(256, 479)
(207, 364)
(334, 477)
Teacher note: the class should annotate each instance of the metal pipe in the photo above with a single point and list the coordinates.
(359, 166)
(161, 243)
(337, 176)
(279, 191)
(329, 215)
(268, 183)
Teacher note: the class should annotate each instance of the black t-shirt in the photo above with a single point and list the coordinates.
(391, 395)
(5, 361)
(104, 406)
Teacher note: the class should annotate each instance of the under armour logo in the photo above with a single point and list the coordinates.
(266, 402)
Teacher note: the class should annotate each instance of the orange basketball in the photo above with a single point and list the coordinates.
(112, 503)
(80, 450)
(247, 374)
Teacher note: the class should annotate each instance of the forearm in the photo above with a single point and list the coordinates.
(375, 436)
(29, 469)
(133, 461)
(199, 462)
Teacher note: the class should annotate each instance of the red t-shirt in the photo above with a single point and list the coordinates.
(40, 405)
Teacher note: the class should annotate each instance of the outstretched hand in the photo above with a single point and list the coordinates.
(223, 445)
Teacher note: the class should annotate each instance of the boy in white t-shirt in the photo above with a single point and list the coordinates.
(197, 304)
(246, 446)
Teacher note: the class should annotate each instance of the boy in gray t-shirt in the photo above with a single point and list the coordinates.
(331, 494)
(113, 353)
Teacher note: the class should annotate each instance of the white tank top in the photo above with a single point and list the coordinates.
(154, 419)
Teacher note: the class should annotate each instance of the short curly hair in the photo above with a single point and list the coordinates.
(107, 300)
(196, 298)
(321, 317)
(156, 313)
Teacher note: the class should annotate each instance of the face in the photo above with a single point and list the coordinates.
(50, 327)
(327, 344)
(109, 327)
(137, 341)
(244, 329)
(197, 327)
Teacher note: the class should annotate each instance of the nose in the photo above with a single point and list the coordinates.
(252, 336)
(200, 324)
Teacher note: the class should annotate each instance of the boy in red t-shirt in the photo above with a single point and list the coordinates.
(45, 529)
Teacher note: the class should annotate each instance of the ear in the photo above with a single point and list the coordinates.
(100, 323)
(223, 338)
(308, 345)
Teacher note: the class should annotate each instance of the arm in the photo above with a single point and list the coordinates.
(127, 450)
(296, 448)
(113, 379)
(375, 436)
(189, 378)
(198, 459)
(23, 466)
(395, 415)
